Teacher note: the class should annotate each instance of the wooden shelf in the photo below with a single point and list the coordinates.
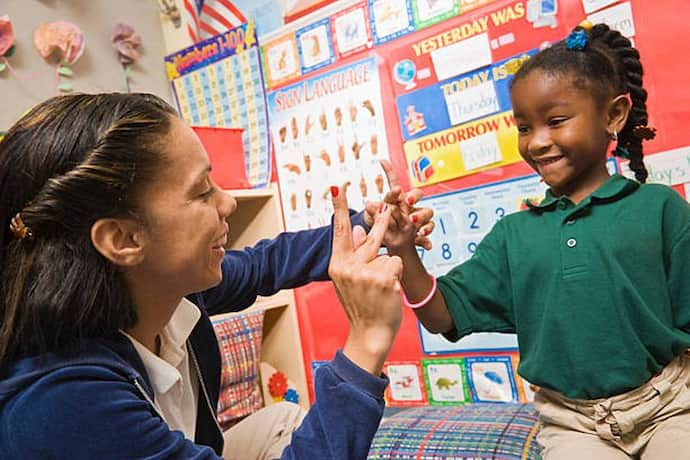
(259, 216)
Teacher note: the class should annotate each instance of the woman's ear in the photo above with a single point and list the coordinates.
(618, 111)
(119, 240)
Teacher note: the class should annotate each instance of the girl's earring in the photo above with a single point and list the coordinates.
(619, 151)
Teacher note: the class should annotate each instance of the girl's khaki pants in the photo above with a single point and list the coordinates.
(651, 422)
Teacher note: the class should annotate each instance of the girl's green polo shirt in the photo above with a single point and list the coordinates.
(598, 293)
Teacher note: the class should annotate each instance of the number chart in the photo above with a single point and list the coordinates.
(218, 83)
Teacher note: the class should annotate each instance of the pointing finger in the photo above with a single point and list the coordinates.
(371, 246)
(390, 174)
(342, 228)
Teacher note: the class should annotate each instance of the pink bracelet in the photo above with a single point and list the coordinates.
(422, 302)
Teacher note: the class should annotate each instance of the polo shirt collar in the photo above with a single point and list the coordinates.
(615, 187)
(164, 370)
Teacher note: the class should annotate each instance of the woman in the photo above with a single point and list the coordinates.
(112, 256)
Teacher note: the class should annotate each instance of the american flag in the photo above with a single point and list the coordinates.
(206, 18)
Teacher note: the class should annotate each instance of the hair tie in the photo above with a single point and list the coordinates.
(577, 39)
(19, 228)
(644, 132)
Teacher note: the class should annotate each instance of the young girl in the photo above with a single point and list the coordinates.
(112, 257)
(594, 279)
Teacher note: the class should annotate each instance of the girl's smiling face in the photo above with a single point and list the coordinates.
(563, 132)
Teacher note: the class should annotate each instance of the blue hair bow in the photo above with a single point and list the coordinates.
(577, 40)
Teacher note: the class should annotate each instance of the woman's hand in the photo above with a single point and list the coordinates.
(367, 284)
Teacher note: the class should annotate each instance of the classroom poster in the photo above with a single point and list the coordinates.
(491, 379)
(446, 381)
(669, 168)
(315, 46)
(328, 130)
(406, 387)
(464, 149)
(218, 83)
(281, 59)
(429, 12)
(469, 42)
(351, 30)
(389, 19)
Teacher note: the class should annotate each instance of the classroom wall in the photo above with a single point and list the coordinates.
(98, 69)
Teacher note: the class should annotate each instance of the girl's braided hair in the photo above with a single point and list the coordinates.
(604, 61)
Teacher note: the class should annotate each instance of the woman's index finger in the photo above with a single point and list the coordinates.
(342, 227)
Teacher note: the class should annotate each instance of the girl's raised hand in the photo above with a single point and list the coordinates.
(410, 224)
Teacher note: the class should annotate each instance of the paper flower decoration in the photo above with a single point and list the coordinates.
(59, 41)
(6, 41)
(127, 43)
(6, 35)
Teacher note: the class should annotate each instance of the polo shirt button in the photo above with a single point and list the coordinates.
(562, 205)
(570, 221)
(571, 242)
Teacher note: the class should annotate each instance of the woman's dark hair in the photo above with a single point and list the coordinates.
(607, 66)
(68, 162)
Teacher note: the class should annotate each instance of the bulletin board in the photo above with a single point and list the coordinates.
(443, 69)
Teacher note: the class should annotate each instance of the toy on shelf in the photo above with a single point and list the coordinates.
(276, 386)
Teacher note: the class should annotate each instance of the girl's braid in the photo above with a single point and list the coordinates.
(630, 70)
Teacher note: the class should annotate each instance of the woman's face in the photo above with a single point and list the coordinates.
(185, 213)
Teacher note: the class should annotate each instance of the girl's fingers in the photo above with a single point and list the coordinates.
(390, 174)
(393, 195)
(426, 229)
(370, 248)
(398, 217)
(413, 196)
(422, 216)
(423, 242)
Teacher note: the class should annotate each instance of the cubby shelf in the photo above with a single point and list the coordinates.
(259, 216)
